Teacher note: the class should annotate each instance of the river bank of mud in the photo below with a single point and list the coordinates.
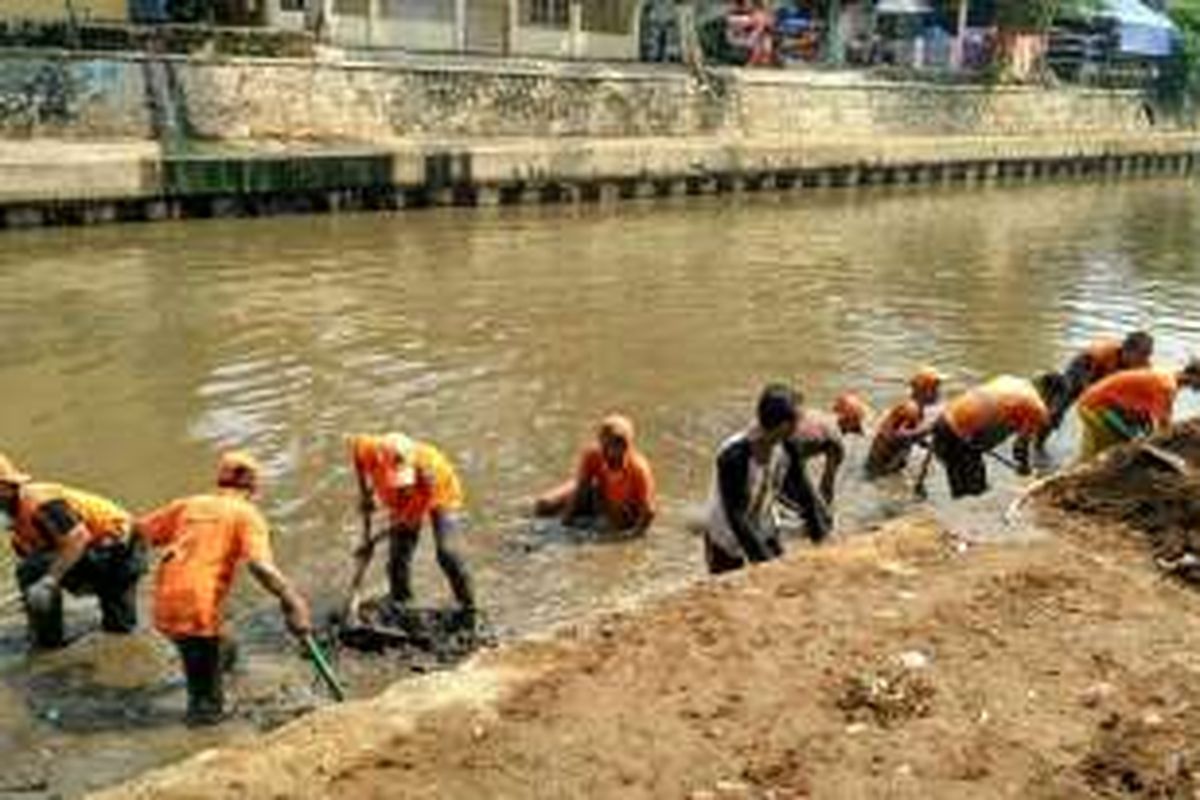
(1054, 662)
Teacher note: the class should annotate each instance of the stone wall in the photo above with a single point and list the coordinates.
(423, 99)
(73, 98)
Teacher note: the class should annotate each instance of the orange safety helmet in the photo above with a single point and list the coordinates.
(927, 380)
(238, 469)
(851, 412)
(9, 472)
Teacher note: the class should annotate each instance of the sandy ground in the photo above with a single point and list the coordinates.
(906, 664)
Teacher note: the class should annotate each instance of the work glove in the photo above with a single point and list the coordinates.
(42, 595)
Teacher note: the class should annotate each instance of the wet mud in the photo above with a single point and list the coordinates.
(420, 639)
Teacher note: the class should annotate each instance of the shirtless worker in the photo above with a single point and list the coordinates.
(904, 425)
(413, 481)
(757, 470)
(67, 539)
(976, 422)
(613, 484)
(820, 435)
(204, 539)
(1131, 404)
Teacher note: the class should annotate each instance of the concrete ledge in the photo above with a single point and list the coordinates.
(47, 183)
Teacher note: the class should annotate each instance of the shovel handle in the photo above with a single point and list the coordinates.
(324, 668)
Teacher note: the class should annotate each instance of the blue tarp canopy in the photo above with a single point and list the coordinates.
(1142, 30)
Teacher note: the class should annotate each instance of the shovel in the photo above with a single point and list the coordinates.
(323, 667)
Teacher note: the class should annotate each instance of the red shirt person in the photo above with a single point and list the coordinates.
(613, 484)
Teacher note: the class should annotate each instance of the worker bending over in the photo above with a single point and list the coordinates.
(413, 481)
(204, 539)
(66, 539)
(976, 422)
(1130, 404)
(820, 435)
(903, 425)
(757, 471)
(1100, 359)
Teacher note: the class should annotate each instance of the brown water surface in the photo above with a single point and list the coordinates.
(131, 355)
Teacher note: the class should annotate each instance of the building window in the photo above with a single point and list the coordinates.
(547, 13)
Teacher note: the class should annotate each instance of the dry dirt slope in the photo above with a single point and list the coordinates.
(900, 665)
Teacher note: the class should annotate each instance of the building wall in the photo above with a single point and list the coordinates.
(83, 97)
(98, 10)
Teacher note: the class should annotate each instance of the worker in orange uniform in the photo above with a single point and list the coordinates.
(204, 538)
(64, 538)
(904, 425)
(820, 435)
(613, 484)
(1131, 404)
(1096, 362)
(976, 422)
(413, 481)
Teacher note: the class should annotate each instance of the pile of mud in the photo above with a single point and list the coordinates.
(422, 638)
(1136, 487)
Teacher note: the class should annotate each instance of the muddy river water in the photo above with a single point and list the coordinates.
(132, 354)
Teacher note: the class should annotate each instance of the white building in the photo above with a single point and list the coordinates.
(596, 29)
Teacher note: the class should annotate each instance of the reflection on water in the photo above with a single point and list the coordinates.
(131, 354)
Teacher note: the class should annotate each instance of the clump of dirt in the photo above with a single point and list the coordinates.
(1149, 756)
(425, 638)
(887, 697)
(1132, 486)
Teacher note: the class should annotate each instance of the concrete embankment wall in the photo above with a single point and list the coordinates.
(197, 136)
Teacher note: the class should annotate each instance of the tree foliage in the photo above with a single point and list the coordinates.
(1037, 16)
(1179, 86)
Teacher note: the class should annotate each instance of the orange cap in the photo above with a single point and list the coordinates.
(926, 379)
(9, 472)
(851, 412)
(238, 469)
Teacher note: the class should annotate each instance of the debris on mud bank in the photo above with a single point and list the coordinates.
(1134, 487)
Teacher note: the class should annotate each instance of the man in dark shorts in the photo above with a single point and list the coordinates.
(69, 540)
